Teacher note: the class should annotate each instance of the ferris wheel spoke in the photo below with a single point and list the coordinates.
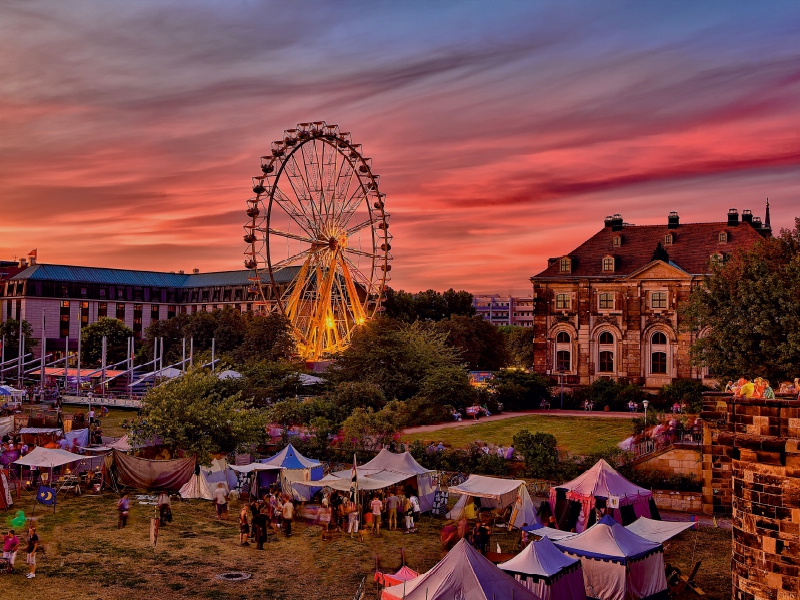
(297, 214)
(360, 226)
(302, 190)
(286, 262)
(362, 278)
(362, 253)
(291, 236)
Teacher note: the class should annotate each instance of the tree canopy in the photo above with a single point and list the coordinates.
(200, 414)
(10, 330)
(429, 305)
(480, 344)
(116, 334)
(747, 312)
(519, 345)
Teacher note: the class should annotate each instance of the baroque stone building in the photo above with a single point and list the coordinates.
(609, 307)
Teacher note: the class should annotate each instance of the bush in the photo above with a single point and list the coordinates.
(653, 479)
(519, 390)
(689, 391)
(540, 453)
(607, 392)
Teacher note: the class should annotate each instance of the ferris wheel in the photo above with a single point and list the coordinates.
(318, 236)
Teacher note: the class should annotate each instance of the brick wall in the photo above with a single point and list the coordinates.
(690, 502)
(675, 461)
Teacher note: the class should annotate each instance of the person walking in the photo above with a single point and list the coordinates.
(221, 501)
(324, 517)
(244, 526)
(10, 547)
(288, 515)
(352, 518)
(123, 508)
(164, 508)
(415, 512)
(33, 546)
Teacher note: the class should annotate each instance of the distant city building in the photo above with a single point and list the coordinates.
(505, 310)
(71, 297)
(608, 309)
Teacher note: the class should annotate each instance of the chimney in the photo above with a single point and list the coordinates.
(747, 216)
(32, 260)
(616, 222)
(608, 221)
(23, 262)
(733, 217)
(673, 221)
(180, 272)
(195, 271)
(757, 222)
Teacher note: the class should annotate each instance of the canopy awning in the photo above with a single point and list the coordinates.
(38, 430)
(44, 458)
(608, 540)
(480, 486)
(548, 532)
(657, 531)
(255, 467)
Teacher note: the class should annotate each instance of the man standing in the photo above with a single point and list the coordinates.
(33, 545)
(288, 515)
(376, 505)
(415, 510)
(221, 501)
(10, 547)
(392, 504)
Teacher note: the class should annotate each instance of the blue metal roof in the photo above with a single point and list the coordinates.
(69, 273)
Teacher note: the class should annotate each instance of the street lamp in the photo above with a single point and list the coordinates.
(89, 395)
(645, 403)
(561, 381)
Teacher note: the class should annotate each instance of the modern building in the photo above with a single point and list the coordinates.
(505, 310)
(609, 307)
(68, 298)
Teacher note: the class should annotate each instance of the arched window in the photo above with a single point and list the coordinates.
(659, 339)
(562, 338)
(563, 351)
(605, 352)
(563, 360)
(658, 354)
(606, 338)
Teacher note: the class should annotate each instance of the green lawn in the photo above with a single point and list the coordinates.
(576, 435)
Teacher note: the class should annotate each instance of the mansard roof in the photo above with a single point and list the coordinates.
(691, 248)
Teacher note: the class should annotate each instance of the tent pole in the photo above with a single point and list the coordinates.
(103, 361)
(44, 353)
(183, 356)
(78, 371)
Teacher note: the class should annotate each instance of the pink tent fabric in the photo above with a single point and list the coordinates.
(465, 574)
(168, 475)
(603, 481)
(404, 574)
(548, 572)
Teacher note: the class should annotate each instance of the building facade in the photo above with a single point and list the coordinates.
(505, 310)
(67, 298)
(608, 309)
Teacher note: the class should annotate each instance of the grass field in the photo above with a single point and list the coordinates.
(576, 435)
(88, 558)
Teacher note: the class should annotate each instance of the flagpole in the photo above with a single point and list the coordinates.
(44, 352)
(78, 368)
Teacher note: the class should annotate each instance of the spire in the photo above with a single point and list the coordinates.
(766, 216)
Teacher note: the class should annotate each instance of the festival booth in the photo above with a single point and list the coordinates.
(41, 458)
(197, 488)
(618, 564)
(143, 473)
(464, 573)
(248, 482)
(220, 472)
(573, 503)
(658, 531)
(494, 493)
(547, 572)
(403, 470)
(40, 436)
(294, 468)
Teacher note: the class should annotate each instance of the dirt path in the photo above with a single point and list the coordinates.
(511, 415)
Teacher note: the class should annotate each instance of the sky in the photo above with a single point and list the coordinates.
(504, 132)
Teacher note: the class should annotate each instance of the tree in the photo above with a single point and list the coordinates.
(429, 305)
(479, 343)
(399, 306)
(442, 390)
(519, 345)
(266, 339)
(266, 382)
(194, 413)
(366, 429)
(748, 314)
(520, 390)
(10, 331)
(394, 356)
(540, 453)
(116, 334)
(689, 391)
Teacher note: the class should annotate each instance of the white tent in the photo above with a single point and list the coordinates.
(7, 390)
(47, 458)
(196, 487)
(464, 574)
(573, 502)
(617, 564)
(658, 531)
(549, 532)
(306, 379)
(385, 470)
(297, 468)
(219, 471)
(495, 492)
(6, 424)
(228, 374)
(548, 572)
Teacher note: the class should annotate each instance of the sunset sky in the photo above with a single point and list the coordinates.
(504, 132)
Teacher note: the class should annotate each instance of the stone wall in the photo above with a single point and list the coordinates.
(757, 444)
(677, 460)
(690, 502)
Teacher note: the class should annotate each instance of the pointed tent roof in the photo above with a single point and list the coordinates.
(402, 463)
(541, 559)
(289, 458)
(48, 458)
(464, 573)
(608, 540)
(602, 480)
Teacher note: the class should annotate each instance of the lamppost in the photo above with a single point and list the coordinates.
(561, 382)
(89, 395)
(645, 403)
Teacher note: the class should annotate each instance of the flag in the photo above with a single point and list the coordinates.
(46, 495)
(354, 481)
(34, 253)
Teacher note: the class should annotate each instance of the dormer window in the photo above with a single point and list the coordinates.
(617, 241)
(565, 265)
(723, 237)
(608, 264)
(668, 239)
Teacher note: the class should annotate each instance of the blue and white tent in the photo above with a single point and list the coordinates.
(295, 467)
